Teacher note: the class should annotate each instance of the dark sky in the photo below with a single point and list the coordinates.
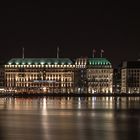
(115, 28)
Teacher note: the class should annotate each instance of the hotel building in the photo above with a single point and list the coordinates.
(130, 77)
(59, 75)
(40, 75)
(1, 77)
(96, 75)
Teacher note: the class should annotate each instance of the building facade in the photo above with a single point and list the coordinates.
(1, 77)
(130, 77)
(59, 75)
(40, 75)
(99, 75)
(80, 75)
(117, 80)
(96, 75)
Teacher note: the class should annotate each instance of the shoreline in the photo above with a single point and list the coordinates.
(26, 95)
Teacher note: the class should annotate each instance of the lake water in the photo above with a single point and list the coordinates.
(93, 118)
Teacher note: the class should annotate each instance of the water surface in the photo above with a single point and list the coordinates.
(92, 118)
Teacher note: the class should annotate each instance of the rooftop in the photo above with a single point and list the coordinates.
(40, 61)
(98, 61)
(131, 64)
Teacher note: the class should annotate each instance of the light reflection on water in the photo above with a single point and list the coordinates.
(68, 118)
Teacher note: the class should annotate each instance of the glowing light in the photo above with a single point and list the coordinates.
(42, 63)
(44, 89)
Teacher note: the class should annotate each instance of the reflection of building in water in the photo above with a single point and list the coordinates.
(95, 75)
(130, 77)
(40, 75)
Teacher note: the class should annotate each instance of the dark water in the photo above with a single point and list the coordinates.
(70, 119)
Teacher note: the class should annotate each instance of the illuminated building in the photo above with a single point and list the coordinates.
(80, 75)
(117, 80)
(59, 75)
(99, 75)
(48, 75)
(130, 77)
(1, 76)
(96, 75)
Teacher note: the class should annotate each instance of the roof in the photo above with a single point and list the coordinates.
(98, 61)
(131, 64)
(39, 61)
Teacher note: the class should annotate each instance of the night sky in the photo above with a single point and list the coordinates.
(115, 28)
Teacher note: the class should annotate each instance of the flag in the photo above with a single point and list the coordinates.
(58, 52)
(102, 51)
(93, 53)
